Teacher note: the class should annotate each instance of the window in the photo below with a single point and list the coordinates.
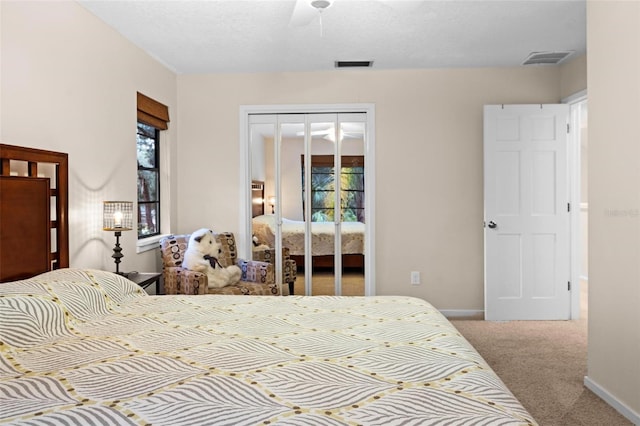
(148, 139)
(152, 118)
(323, 188)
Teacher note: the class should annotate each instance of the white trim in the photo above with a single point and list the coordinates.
(574, 198)
(607, 397)
(574, 158)
(165, 183)
(370, 199)
(149, 243)
(244, 225)
(462, 313)
(576, 97)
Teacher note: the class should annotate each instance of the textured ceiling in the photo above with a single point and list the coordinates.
(230, 36)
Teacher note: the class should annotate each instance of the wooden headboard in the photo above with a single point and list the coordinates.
(34, 232)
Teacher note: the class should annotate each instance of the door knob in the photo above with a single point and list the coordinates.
(492, 224)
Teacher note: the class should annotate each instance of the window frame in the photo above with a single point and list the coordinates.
(346, 161)
(157, 171)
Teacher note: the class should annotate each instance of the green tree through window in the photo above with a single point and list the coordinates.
(323, 188)
(148, 140)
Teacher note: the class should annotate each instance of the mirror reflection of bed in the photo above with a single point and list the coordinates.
(323, 241)
(281, 174)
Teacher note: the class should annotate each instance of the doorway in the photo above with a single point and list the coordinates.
(577, 165)
(579, 155)
(314, 166)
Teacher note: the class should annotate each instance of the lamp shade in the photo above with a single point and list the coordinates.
(117, 216)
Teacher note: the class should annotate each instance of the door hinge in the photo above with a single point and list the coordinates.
(568, 285)
(568, 128)
(568, 207)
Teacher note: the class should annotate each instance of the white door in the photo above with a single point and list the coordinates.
(526, 203)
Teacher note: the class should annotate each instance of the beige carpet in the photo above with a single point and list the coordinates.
(543, 363)
(323, 284)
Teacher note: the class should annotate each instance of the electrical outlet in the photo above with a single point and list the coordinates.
(415, 278)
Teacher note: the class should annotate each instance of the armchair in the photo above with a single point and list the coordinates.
(289, 267)
(258, 278)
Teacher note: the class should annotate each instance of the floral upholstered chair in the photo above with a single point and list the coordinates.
(258, 278)
(289, 267)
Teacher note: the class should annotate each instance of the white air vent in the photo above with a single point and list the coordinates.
(546, 58)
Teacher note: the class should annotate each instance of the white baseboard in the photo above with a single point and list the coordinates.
(612, 401)
(462, 313)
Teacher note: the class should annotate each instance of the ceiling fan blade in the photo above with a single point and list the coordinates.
(303, 13)
(352, 135)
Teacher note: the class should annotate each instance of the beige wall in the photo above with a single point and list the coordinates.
(573, 76)
(429, 204)
(69, 84)
(613, 36)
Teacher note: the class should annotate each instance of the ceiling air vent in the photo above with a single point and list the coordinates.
(546, 58)
(354, 64)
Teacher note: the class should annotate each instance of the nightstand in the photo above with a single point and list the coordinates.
(145, 279)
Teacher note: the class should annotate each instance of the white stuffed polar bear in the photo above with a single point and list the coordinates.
(202, 256)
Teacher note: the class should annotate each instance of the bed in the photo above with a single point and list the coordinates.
(91, 347)
(322, 240)
(84, 346)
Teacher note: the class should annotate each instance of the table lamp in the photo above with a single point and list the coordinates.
(117, 216)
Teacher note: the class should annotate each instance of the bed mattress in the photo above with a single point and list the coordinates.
(322, 235)
(90, 347)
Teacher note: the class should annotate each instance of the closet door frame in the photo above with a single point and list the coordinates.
(244, 226)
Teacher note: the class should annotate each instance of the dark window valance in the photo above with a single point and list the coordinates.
(328, 160)
(152, 112)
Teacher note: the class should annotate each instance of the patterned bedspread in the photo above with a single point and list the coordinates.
(89, 347)
(322, 235)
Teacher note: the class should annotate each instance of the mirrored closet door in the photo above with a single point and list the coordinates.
(309, 199)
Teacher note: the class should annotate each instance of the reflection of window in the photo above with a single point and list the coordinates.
(323, 188)
(148, 142)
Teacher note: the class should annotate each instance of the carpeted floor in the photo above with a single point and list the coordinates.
(323, 284)
(544, 363)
